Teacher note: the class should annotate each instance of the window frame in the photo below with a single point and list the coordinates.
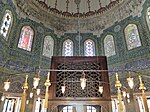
(52, 48)
(113, 43)
(93, 49)
(138, 39)
(10, 25)
(30, 44)
(63, 49)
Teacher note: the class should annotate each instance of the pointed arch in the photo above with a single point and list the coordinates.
(109, 46)
(48, 46)
(6, 24)
(68, 48)
(132, 36)
(26, 37)
(89, 48)
(148, 17)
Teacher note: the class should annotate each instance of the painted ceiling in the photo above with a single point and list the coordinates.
(78, 8)
(70, 16)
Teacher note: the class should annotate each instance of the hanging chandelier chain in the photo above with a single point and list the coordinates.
(79, 35)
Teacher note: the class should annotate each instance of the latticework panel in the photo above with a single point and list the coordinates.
(72, 80)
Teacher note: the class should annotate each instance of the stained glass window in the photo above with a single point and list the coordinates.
(26, 37)
(109, 46)
(132, 36)
(89, 48)
(48, 46)
(68, 48)
(148, 17)
(6, 24)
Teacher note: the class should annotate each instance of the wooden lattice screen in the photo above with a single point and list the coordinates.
(72, 80)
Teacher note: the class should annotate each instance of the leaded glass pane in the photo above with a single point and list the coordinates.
(109, 46)
(48, 46)
(89, 48)
(132, 36)
(26, 37)
(68, 48)
(6, 24)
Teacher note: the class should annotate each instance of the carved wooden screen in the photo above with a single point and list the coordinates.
(72, 78)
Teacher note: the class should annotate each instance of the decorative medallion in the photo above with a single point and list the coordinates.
(78, 38)
(117, 28)
(40, 29)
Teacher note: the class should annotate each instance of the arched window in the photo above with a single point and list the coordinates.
(6, 24)
(148, 17)
(109, 46)
(48, 46)
(132, 36)
(89, 48)
(68, 48)
(26, 37)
